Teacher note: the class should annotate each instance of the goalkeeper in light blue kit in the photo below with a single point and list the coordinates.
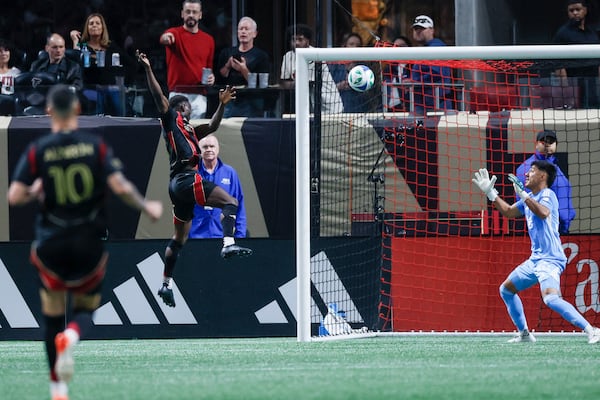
(547, 260)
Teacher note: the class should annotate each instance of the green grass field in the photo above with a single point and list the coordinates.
(412, 367)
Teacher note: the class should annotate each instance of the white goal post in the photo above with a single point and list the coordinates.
(305, 56)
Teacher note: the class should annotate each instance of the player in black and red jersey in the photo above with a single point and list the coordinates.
(186, 188)
(68, 171)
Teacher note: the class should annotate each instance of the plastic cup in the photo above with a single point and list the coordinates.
(252, 77)
(263, 80)
(101, 58)
(205, 74)
(116, 60)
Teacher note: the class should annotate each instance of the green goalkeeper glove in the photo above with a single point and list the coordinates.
(519, 187)
(485, 184)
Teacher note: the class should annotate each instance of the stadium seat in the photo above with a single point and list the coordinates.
(30, 92)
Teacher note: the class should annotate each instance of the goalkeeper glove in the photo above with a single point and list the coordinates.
(519, 187)
(485, 184)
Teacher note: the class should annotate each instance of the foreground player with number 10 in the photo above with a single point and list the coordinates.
(68, 172)
(547, 260)
(186, 188)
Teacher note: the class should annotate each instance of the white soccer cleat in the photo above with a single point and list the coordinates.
(59, 390)
(594, 336)
(65, 365)
(523, 337)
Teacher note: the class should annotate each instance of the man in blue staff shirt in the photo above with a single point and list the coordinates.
(207, 220)
(545, 149)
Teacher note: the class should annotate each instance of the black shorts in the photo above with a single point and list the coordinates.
(74, 260)
(186, 190)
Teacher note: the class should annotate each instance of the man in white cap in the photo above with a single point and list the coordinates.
(432, 76)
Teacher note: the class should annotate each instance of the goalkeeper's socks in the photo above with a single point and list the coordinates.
(514, 305)
(566, 310)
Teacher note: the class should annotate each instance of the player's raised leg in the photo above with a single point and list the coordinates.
(218, 197)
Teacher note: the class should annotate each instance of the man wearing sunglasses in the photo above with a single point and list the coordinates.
(545, 149)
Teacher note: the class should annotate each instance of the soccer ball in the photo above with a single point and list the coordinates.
(361, 78)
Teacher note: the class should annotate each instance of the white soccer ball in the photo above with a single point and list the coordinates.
(361, 78)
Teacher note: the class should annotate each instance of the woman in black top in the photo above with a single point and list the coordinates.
(103, 84)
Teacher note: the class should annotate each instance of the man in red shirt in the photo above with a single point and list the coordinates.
(189, 50)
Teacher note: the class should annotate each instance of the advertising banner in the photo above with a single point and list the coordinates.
(438, 285)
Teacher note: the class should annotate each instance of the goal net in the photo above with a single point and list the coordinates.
(392, 235)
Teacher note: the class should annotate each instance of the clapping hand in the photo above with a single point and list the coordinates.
(75, 36)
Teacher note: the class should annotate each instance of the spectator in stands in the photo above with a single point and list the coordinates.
(7, 79)
(206, 222)
(102, 86)
(578, 31)
(398, 97)
(236, 63)
(299, 37)
(66, 70)
(545, 149)
(433, 77)
(353, 101)
(189, 50)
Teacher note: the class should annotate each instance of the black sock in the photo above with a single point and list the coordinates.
(228, 222)
(54, 325)
(171, 259)
(83, 319)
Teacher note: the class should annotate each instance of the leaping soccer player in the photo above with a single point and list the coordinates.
(186, 188)
(547, 260)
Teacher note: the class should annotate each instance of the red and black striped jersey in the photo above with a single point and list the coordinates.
(181, 142)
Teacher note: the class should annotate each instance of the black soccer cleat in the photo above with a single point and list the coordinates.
(234, 250)
(167, 295)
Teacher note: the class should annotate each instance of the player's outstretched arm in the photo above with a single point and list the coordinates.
(123, 188)
(225, 96)
(162, 103)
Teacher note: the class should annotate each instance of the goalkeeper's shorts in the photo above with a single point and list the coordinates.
(547, 274)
